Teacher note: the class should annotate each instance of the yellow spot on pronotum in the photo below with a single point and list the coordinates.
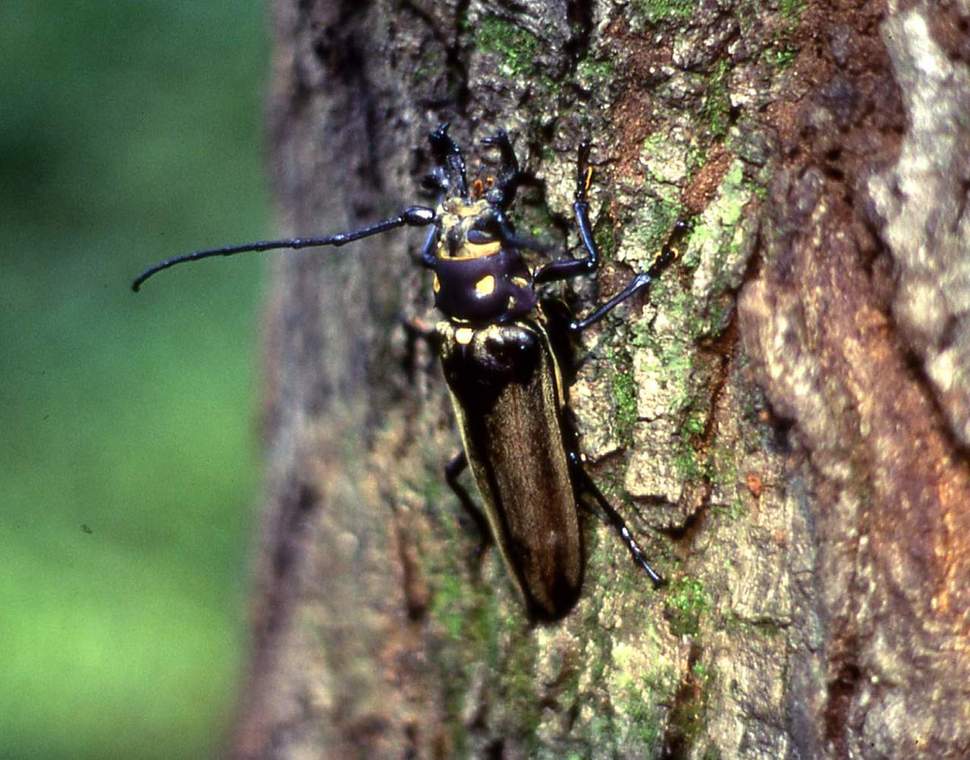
(485, 286)
(520, 281)
(589, 179)
(436, 285)
(477, 250)
(464, 335)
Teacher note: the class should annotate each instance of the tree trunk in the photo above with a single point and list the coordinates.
(784, 421)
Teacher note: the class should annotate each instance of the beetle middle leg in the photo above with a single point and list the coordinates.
(453, 470)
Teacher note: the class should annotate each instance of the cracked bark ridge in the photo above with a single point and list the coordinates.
(921, 205)
(880, 436)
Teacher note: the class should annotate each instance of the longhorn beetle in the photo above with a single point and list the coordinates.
(498, 346)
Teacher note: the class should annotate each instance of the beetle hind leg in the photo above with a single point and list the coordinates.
(453, 470)
(616, 522)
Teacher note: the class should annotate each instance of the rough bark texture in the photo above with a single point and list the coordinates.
(785, 421)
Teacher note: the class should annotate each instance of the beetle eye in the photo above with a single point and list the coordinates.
(480, 236)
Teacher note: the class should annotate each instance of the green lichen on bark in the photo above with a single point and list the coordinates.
(516, 47)
(686, 602)
(717, 103)
(656, 11)
(624, 391)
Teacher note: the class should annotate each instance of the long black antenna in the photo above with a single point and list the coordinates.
(416, 216)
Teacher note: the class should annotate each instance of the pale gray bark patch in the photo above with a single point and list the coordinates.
(922, 203)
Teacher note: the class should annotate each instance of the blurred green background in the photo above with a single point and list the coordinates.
(129, 131)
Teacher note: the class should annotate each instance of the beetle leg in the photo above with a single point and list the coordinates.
(633, 287)
(508, 179)
(448, 155)
(416, 329)
(564, 269)
(500, 140)
(616, 522)
(430, 247)
(453, 469)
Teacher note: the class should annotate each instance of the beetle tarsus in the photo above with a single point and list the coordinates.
(448, 154)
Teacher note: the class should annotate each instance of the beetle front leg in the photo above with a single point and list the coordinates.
(507, 181)
(564, 269)
(453, 470)
(453, 178)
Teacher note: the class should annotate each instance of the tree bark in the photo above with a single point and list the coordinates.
(784, 421)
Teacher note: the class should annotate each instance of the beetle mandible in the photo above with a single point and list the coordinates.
(502, 367)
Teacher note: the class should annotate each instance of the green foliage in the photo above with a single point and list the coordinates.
(127, 461)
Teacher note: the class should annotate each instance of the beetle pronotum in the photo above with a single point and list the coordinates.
(502, 367)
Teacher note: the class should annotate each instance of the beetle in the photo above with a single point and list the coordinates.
(500, 346)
